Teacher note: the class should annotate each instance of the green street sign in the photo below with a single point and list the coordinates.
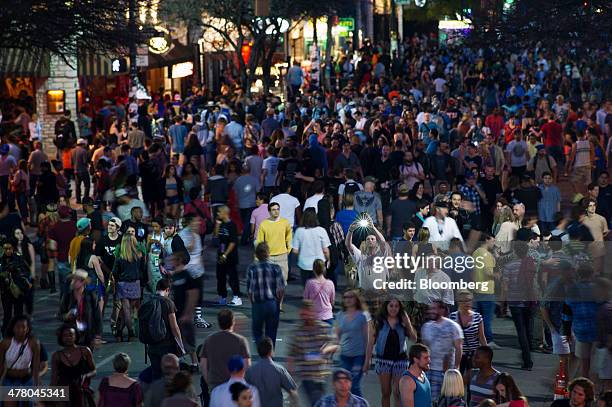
(348, 23)
(402, 2)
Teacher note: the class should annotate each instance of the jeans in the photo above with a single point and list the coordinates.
(84, 178)
(224, 271)
(11, 307)
(485, 305)
(265, 313)
(245, 218)
(523, 322)
(63, 271)
(314, 390)
(22, 202)
(354, 364)
(156, 353)
(33, 182)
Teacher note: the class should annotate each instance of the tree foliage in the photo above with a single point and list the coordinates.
(63, 26)
(236, 23)
(549, 21)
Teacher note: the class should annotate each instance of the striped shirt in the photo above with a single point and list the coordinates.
(478, 391)
(470, 333)
(305, 349)
(263, 279)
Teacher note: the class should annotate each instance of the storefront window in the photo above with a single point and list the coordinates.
(56, 101)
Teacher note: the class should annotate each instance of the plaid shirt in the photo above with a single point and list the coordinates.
(263, 279)
(472, 195)
(584, 312)
(353, 401)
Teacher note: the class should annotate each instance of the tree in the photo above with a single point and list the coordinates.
(234, 21)
(515, 22)
(63, 26)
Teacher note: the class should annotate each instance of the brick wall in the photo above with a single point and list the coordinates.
(64, 77)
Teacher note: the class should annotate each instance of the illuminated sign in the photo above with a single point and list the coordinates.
(160, 43)
(453, 25)
(119, 65)
(182, 70)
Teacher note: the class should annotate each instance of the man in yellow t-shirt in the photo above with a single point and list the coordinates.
(276, 232)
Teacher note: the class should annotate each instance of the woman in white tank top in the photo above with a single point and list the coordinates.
(20, 355)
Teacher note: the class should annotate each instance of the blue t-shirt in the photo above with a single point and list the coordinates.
(345, 217)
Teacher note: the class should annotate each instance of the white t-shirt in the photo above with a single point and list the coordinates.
(288, 205)
(313, 202)
(310, 244)
(195, 266)
(270, 164)
(439, 84)
(440, 337)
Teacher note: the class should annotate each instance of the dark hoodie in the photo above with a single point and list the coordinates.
(317, 152)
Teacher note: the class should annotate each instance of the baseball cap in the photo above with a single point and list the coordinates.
(88, 201)
(235, 364)
(341, 374)
(403, 189)
(540, 147)
(83, 224)
(4, 149)
(441, 204)
(82, 141)
(120, 192)
(116, 221)
(64, 211)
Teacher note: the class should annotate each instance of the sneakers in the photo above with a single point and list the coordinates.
(201, 323)
(222, 301)
(493, 345)
(236, 301)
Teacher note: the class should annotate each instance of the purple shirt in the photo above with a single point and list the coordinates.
(323, 294)
(258, 215)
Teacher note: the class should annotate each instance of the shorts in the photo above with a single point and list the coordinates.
(97, 289)
(561, 346)
(173, 200)
(394, 367)
(582, 175)
(128, 290)
(584, 349)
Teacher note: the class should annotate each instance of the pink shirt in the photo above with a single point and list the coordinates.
(258, 215)
(323, 294)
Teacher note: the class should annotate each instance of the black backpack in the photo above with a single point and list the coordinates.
(151, 324)
(351, 188)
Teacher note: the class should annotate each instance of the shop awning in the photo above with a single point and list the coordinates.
(22, 62)
(93, 65)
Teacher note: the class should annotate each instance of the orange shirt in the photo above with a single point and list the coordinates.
(67, 159)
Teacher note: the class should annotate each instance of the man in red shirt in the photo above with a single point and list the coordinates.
(60, 235)
(495, 121)
(553, 138)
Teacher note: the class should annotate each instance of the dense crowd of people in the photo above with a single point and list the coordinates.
(440, 153)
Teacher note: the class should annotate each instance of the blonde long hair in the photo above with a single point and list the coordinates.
(129, 249)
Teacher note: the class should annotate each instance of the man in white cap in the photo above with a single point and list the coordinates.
(80, 164)
(126, 203)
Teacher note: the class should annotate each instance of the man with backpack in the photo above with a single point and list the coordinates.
(158, 328)
(541, 163)
(65, 133)
(350, 186)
